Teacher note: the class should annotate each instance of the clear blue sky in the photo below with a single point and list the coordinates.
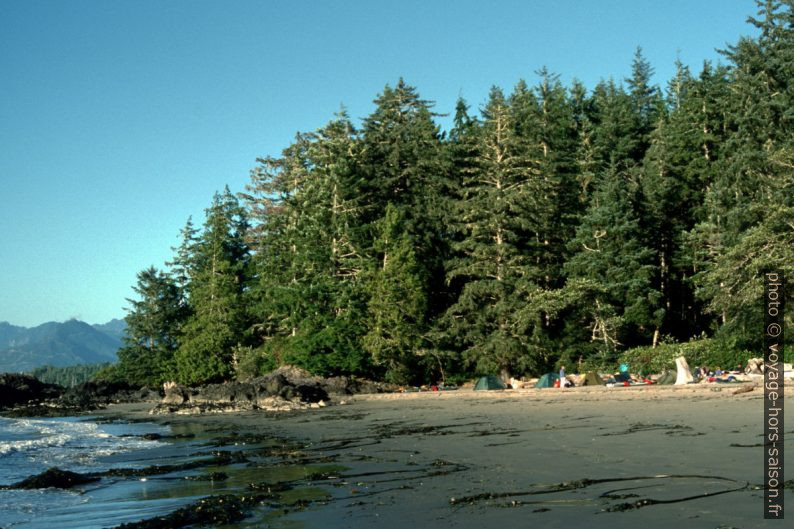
(119, 119)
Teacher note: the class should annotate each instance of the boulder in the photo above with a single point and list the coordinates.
(54, 478)
(340, 386)
(310, 393)
(98, 393)
(272, 384)
(295, 375)
(755, 366)
(174, 394)
(226, 393)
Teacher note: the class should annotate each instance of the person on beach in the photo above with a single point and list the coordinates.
(562, 377)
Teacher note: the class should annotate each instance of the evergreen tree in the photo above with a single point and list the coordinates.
(273, 299)
(463, 152)
(610, 254)
(746, 190)
(404, 164)
(398, 302)
(586, 157)
(309, 264)
(678, 167)
(493, 223)
(180, 266)
(646, 102)
(215, 292)
(546, 125)
(154, 323)
(615, 143)
(329, 257)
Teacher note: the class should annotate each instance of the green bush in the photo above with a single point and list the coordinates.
(597, 363)
(250, 362)
(645, 360)
(720, 353)
(109, 373)
(703, 351)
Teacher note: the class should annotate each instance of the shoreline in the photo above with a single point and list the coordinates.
(611, 456)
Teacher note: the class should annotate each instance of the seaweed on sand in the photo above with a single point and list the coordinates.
(213, 510)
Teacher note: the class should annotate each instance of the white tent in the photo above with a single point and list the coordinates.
(684, 374)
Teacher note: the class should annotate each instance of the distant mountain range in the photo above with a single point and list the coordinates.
(58, 344)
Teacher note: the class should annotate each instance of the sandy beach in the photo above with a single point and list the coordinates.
(686, 456)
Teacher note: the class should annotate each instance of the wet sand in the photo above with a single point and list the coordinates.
(686, 456)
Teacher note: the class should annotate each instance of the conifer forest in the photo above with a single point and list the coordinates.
(551, 225)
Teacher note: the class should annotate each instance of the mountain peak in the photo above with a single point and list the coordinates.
(58, 344)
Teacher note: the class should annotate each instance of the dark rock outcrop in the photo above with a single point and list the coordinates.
(93, 394)
(16, 389)
(339, 385)
(53, 478)
(287, 388)
(26, 396)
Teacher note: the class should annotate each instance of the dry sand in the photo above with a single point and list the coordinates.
(532, 458)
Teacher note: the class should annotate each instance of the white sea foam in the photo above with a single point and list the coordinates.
(29, 444)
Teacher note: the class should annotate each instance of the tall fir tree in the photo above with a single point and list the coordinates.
(398, 302)
(217, 281)
(610, 253)
(490, 261)
(679, 165)
(746, 191)
(404, 164)
(154, 328)
(646, 102)
(273, 300)
(546, 124)
(309, 262)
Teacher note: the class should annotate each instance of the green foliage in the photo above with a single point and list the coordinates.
(398, 301)
(308, 295)
(217, 267)
(610, 252)
(736, 277)
(747, 209)
(493, 219)
(555, 226)
(647, 359)
(69, 376)
(707, 352)
(250, 363)
(154, 328)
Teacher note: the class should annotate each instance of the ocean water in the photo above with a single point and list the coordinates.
(29, 446)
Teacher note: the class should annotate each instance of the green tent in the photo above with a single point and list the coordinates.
(592, 379)
(668, 377)
(489, 382)
(547, 380)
